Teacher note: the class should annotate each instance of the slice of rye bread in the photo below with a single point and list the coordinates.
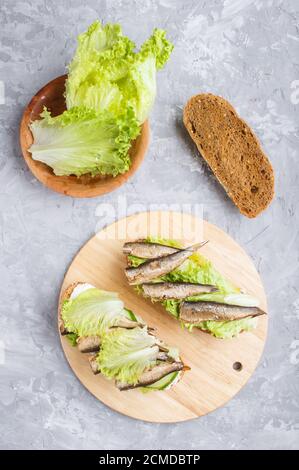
(66, 295)
(232, 151)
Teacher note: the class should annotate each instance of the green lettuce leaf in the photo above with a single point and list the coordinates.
(92, 312)
(135, 261)
(106, 73)
(199, 269)
(126, 354)
(164, 241)
(139, 85)
(243, 300)
(172, 306)
(72, 337)
(226, 329)
(95, 92)
(109, 92)
(79, 142)
(103, 56)
(131, 315)
(157, 46)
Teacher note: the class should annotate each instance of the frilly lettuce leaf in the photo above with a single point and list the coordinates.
(92, 312)
(226, 329)
(126, 354)
(172, 306)
(103, 53)
(72, 338)
(109, 92)
(106, 73)
(96, 92)
(243, 300)
(199, 269)
(139, 85)
(79, 141)
(164, 241)
(157, 46)
(135, 261)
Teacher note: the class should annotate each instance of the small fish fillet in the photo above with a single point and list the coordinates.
(151, 376)
(154, 268)
(144, 249)
(87, 344)
(195, 312)
(175, 290)
(93, 364)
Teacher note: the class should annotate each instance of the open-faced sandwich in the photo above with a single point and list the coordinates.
(123, 347)
(189, 287)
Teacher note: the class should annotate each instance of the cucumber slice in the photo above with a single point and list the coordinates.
(163, 383)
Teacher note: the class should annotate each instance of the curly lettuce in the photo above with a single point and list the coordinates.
(226, 329)
(126, 354)
(79, 141)
(109, 93)
(139, 87)
(107, 74)
(102, 49)
(92, 312)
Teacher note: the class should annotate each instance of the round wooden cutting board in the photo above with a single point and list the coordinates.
(219, 368)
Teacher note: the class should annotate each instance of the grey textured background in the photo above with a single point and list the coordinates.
(246, 51)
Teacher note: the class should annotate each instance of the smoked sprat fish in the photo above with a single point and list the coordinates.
(175, 290)
(153, 375)
(145, 249)
(157, 267)
(195, 292)
(88, 344)
(196, 312)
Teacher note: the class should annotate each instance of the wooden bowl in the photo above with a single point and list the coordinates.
(51, 96)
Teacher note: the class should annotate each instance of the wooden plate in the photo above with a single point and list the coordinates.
(212, 380)
(51, 96)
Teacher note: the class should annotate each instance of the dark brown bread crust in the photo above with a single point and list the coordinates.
(232, 151)
(66, 295)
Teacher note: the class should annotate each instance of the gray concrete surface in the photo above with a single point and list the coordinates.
(246, 51)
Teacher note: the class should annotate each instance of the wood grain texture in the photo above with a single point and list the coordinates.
(212, 380)
(51, 96)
